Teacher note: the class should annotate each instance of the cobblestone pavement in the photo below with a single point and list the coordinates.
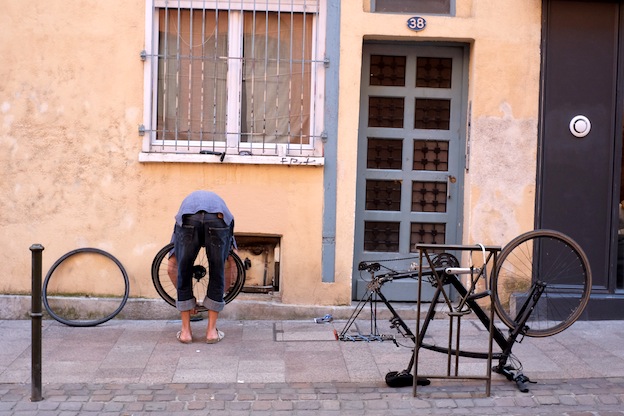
(133, 367)
(599, 396)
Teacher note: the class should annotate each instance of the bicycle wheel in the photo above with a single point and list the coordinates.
(164, 278)
(82, 289)
(541, 259)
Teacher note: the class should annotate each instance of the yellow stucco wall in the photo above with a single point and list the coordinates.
(503, 39)
(71, 101)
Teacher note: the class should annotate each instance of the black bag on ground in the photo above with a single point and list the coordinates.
(403, 379)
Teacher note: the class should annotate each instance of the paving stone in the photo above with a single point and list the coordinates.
(301, 374)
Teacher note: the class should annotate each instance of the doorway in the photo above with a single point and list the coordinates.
(410, 156)
(580, 159)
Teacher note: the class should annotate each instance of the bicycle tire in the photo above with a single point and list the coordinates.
(58, 312)
(167, 289)
(554, 259)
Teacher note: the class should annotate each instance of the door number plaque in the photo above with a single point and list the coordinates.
(416, 23)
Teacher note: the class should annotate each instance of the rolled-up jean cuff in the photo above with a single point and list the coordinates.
(213, 305)
(186, 305)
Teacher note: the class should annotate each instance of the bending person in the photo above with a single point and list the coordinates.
(203, 220)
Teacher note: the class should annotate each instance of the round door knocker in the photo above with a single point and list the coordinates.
(580, 126)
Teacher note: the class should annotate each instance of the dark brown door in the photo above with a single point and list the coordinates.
(580, 152)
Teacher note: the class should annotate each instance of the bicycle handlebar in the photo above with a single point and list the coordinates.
(521, 381)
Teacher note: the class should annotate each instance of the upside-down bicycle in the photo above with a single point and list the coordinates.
(539, 286)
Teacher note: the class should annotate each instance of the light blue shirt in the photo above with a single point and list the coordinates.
(204, 201)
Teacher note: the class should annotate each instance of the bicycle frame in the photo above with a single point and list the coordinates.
(438, 278)
(505, 343)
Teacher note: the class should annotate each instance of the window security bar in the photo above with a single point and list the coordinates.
(238, 77)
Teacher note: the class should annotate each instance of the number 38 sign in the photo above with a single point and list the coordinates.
(416, 23)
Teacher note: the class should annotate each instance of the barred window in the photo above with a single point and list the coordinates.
(412, 6)
(235, 77)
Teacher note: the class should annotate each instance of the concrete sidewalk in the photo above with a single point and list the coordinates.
(269, 366)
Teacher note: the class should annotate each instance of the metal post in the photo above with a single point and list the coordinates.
(36, 317)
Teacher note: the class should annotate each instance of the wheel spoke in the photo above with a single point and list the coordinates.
(164, 276)
(553, 259)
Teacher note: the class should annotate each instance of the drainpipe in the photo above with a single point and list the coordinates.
(332, 50)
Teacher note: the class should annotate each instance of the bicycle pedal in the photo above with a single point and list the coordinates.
(479, 295)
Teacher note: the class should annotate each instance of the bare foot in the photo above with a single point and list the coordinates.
(184, 338)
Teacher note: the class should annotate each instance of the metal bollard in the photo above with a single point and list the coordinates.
(36, 317)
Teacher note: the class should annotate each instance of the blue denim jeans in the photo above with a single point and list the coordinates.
(210, 231)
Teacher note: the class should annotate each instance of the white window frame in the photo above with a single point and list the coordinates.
(236, 151)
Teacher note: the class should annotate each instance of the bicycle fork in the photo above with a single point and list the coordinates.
(521, 318)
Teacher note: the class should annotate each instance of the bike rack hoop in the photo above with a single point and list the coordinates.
(452, 371)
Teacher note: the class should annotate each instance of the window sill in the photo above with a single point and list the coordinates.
(148, 157)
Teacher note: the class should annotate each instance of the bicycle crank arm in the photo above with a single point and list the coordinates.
(462, 270)
(514, 375)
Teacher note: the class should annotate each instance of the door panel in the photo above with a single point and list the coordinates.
(577, 172)
(410, 156)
